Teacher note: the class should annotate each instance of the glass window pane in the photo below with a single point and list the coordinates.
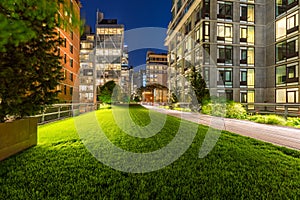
(250, 59)
(281, 96)
(250, 78)
(250, 13)
(280, 28)
(250, 38)
(281, 75)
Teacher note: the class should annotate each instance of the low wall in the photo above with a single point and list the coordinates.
(17, 136)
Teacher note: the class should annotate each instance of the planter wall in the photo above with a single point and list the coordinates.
(17, 136)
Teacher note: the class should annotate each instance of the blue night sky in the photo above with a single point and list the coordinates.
(134, 14)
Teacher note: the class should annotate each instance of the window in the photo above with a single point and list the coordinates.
(88, 72)
(65, 74)
(284, 5)
(247, 34)
(281, 96)
(206, 9)
(247, 55)
(281, 51)
(247, 78)
(287, 49)
(243, 80)
(292, 48)
(291, 96)
(248, 97)
(224, 32)
(292, 22)
(287, 25)
(71, 48)
(179, 4)
(71, 35)
(65, 89)
(244, 56)
(225, 54)
(225, 77)
(281, 75)
(71, 76)
(281, 28)
(292, 73)
(71, 90)
(243, 97)
(225, 10)
(71, 63)
(65, 58)
(65, 42)
(247, 13)
(229, 95)
(188, 27)
(206, 53)
(205, 32)
(287, 74)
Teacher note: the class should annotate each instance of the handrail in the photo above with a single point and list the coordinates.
(269, 108)
(60, 111)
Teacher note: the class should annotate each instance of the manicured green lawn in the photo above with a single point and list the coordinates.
(60, 167)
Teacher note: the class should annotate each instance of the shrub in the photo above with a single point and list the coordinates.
(268, 119)
(229, 109)
(294, 122)
(235, 110)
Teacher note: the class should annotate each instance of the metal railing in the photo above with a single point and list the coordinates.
(61, 111)
(284, 109)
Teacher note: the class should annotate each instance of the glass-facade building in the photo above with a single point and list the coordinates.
(101, 57)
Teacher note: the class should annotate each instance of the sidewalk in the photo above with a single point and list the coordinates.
(282, 136)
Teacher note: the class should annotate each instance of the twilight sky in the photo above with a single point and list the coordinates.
(133, 14)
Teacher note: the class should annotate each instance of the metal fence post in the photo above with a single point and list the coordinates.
(286, 111)
(58, 112)
(43, 117)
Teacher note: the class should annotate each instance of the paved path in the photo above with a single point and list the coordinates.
(282, 136)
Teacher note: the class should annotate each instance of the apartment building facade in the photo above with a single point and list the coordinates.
(69, 51)
(156, 68)
(244, 49)
(156, 74)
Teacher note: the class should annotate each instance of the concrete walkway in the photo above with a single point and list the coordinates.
(282, 136)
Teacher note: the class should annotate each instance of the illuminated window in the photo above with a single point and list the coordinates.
(292, 22)
(281, 96)
(281, 28)
(247, 34)
(247, 78)
(224, 32)
(287, 25)
(247, 13)
(247, 55)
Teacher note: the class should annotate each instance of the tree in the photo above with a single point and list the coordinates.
(109, 92)
(30, 68)
(199, 88)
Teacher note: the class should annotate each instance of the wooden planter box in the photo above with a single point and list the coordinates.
(17, 136)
